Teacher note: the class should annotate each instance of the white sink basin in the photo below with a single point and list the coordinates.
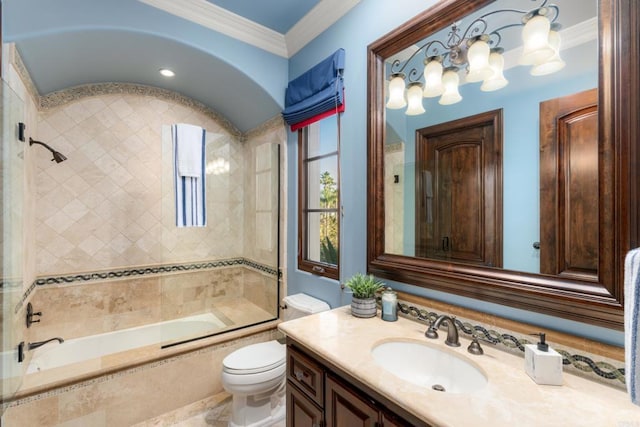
(427, 365)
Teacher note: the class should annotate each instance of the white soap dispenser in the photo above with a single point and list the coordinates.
(543, 364)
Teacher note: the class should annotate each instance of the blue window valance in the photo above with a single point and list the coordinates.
(316, 94)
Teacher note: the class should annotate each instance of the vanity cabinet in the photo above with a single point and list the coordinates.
(320, 394)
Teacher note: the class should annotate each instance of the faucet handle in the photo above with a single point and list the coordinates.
(431, 332)
(474, 347)
(31, 314)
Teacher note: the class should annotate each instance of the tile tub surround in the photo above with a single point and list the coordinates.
(240, 292)
(510, 398)
(88, 304)
(181, 377)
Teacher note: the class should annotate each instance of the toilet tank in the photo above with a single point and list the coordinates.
(299, 305)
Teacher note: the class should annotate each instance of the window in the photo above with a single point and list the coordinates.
(319, 198)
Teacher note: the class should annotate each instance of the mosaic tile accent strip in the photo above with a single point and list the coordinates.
(276, 122)
(56, 99)
(10, 284)
(147, 271)
(62, 97)
(595, 370)
(21, 69)
(394, 148)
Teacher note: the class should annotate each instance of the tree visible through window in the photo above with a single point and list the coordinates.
(318, 235)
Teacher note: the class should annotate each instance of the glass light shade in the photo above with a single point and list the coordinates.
(535, 36)
(553, 64)
(478, 58)
(414, 98)
(433, 79)
(396, 92)
(450, 81)
(496, 80)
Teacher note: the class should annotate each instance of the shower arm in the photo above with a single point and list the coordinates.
(57, 156)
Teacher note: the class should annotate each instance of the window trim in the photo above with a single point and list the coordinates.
(314, 267)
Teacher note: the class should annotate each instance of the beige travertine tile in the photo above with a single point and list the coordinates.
(93, 419)
(119, 170)
(41, 412)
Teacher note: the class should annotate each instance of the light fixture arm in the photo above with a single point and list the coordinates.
(425, 47)
(454, 51)
(477, 52)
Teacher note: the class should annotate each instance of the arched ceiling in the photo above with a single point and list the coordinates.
(73, 42)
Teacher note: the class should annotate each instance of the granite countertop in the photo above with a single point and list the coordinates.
(510, 398)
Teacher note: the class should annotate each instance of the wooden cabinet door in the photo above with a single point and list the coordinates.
(301, 411)
(459, 190)
(344, 408)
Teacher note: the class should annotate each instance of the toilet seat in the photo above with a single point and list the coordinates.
(255, 358)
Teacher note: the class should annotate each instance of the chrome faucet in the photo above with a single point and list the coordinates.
(34, 345)
(452, 330)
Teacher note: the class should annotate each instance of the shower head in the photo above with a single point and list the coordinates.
(57, 156)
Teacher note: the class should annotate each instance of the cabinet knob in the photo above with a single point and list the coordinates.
(299, 375)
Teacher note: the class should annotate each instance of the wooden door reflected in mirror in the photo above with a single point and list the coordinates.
(582, 285)
(459, 190)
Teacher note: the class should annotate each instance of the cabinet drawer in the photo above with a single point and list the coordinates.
(306, 374)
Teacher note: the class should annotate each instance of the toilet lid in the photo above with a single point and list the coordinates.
(255, 358)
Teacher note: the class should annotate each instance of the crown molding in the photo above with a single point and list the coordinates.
(216, 18)
(221, 20)
(321, 17)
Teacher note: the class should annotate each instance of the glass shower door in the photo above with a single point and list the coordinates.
(222, 276)
(12, 170)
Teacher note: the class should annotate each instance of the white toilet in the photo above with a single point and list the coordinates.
(256, 374)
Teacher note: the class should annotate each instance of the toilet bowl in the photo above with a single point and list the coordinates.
(256, 374)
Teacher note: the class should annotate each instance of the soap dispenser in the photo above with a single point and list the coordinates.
(542, 363)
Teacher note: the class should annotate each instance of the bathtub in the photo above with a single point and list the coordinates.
(54, 355)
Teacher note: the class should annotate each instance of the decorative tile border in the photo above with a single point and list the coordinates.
(394, 148)
(58, 98)
(147, 272)
(602, 371)
(276, 122)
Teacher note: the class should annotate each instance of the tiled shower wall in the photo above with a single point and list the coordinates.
(110, 205)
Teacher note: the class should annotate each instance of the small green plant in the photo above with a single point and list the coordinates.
(364, 286)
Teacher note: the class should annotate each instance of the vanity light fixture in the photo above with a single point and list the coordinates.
(476, 51)
(166, 72)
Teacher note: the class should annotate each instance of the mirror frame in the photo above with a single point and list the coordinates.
(619, 129)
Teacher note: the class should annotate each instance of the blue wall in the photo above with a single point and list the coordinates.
(363, 25)
(136, 17)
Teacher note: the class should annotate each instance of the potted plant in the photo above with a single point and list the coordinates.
(364, 288)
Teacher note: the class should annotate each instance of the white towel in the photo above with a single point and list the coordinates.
(632, 323)
(189, 140)
(190, 190)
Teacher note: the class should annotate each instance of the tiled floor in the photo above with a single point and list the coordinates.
(212, 412)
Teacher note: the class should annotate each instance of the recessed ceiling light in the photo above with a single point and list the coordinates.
(167, 72)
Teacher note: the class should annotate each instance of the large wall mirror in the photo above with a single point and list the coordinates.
(516, 181)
